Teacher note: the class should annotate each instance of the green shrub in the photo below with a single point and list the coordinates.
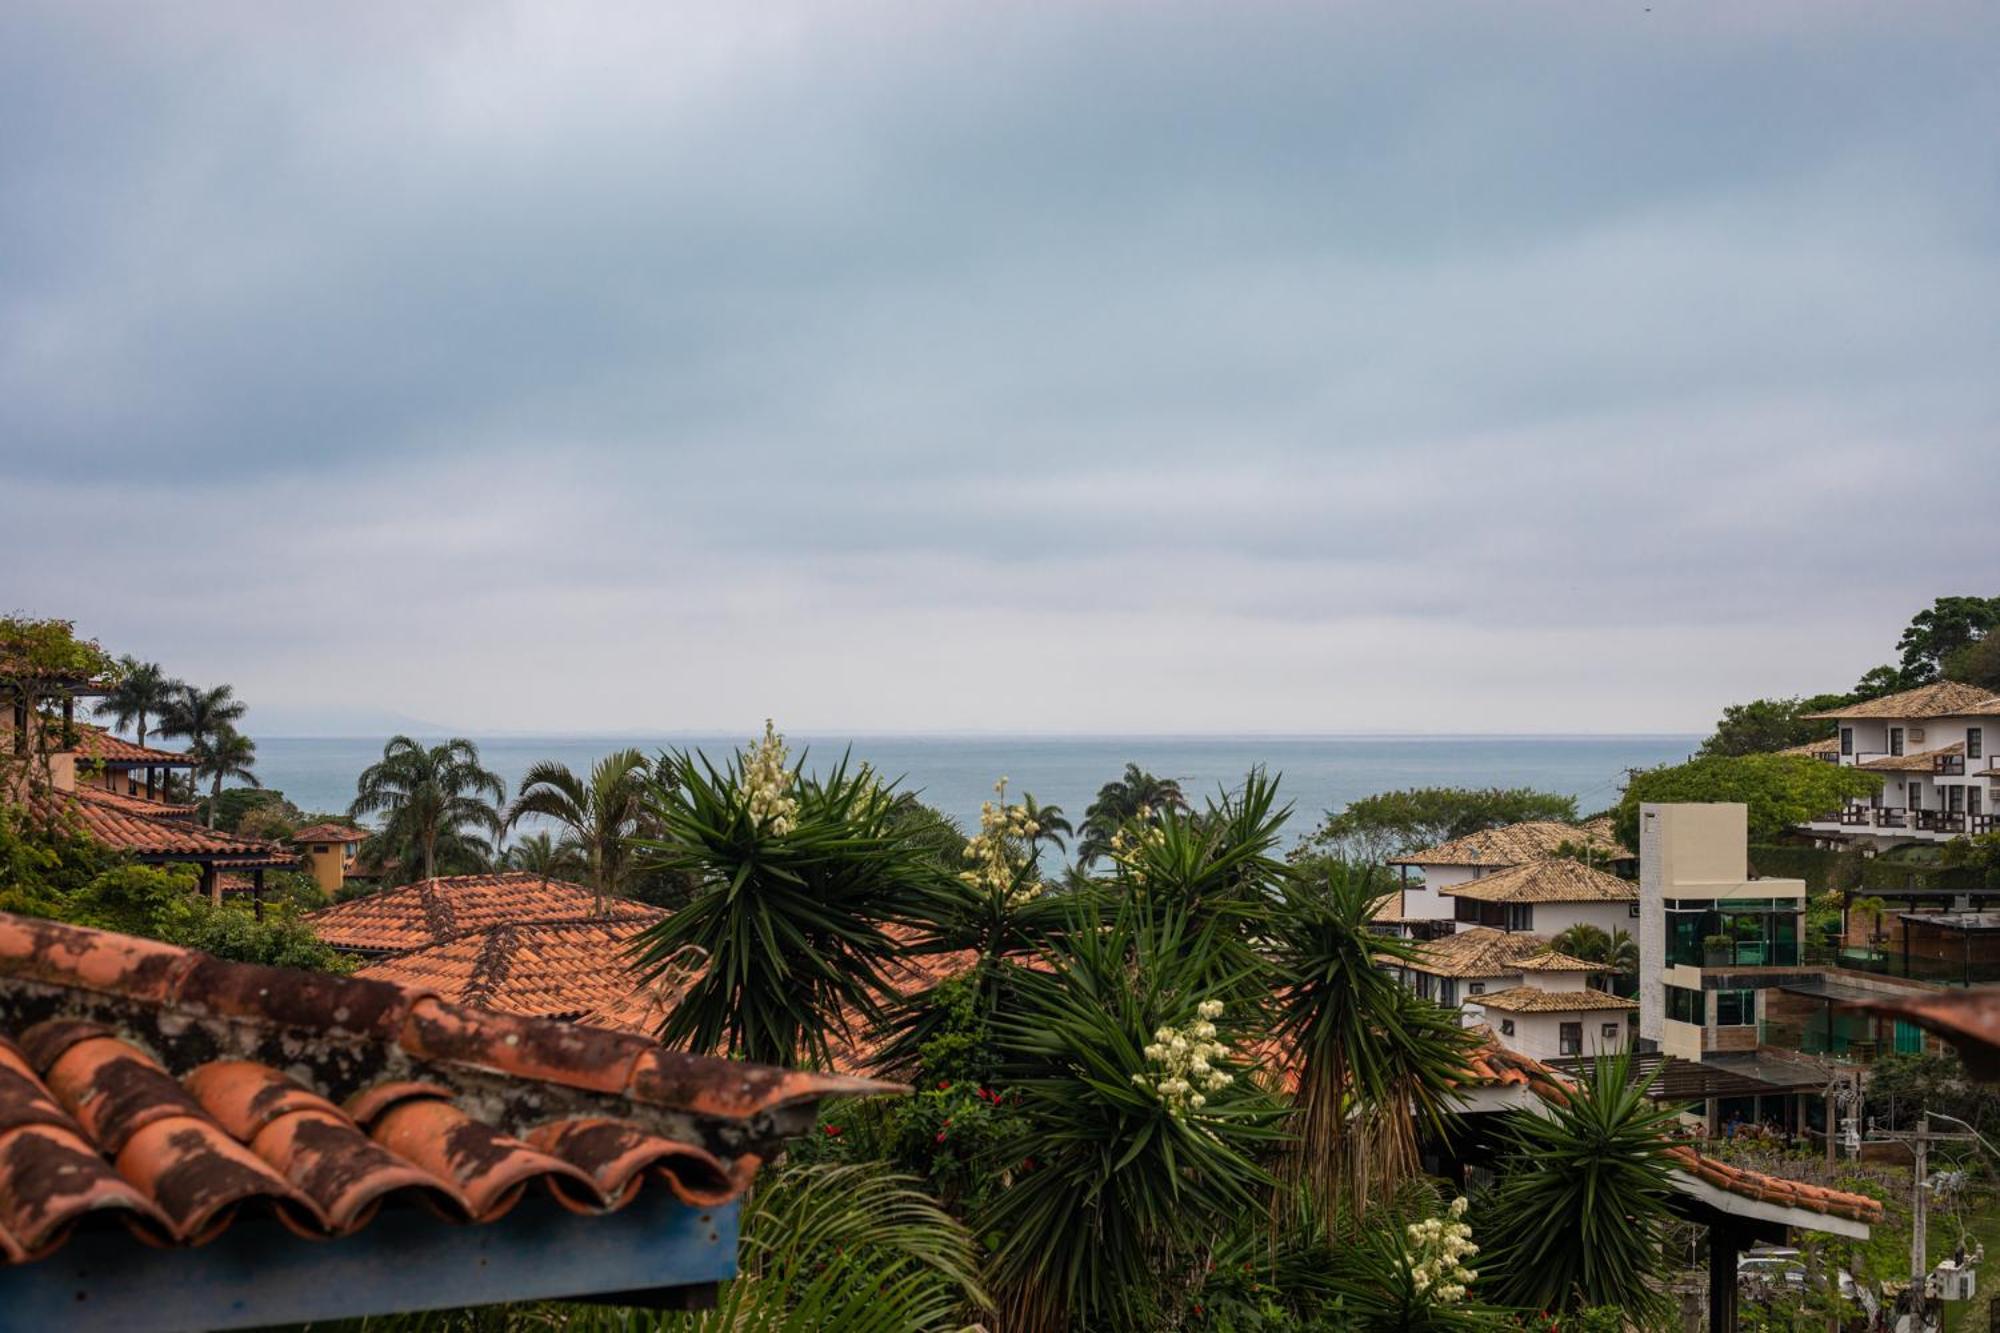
(1822, 868)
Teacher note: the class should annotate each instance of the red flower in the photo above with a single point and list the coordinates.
(940, 1137)
(944, 1085)
(831, 1130)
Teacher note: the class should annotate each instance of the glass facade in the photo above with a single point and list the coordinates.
(1687, 1006)
(1745, 932)
(1735, 1008)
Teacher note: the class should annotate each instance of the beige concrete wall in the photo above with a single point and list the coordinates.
(329, 867)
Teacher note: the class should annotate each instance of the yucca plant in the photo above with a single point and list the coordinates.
(807, 886)
(1580, 1213)
(1374, 1063)
(1121, 1168)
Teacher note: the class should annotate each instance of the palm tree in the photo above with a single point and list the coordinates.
(200, 716)
(1121, 801)
(143, 692)
(1051, 826)
(542, 854)
(225, 753)
(1374, 1062)
(600, 814)
(434, 797)
(1616, 949)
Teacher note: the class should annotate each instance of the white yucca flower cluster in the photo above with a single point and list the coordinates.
(996, 851)
(1186, 1061)
(1130, 840)
(1438, 1251)
(768, 784)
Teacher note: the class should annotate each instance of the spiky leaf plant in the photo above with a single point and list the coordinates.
(1579, 1216)
(1119, 1170)
(1374, 1063)
(808, 886)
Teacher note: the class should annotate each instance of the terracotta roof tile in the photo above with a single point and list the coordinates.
(1551, 880)
(1388, 908)
(433, 911)
(109, 818)
(1515, 843)
(1944, 698)
(1918, 761)
(138, 805)
(329, 833)
(1816, 749)
(101, 746)
(556, 969)
(176, 1091)
(1534, 1000)
(1477, 951)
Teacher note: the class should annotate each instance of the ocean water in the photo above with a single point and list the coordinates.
(956, 773)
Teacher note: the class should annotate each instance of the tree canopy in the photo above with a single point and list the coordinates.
(1377, 827)
(1764, 725)
(1947, 626)
(1780, 789)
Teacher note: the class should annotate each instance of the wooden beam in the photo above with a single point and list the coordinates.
(406, 1260)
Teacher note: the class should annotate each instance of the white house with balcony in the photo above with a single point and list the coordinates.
(1546, 897)
(1932, 747)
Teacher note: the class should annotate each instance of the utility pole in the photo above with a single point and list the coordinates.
(1920, 1146)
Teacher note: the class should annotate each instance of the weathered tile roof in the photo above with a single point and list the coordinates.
(431, 911)
(100, 746)
(1477, 951)
(1553, 961)
(1388, 908)
(1944, 698)
(139, 805)
(1551, 880)
(570, 970)
(1534, 1000)
(171, 1090)
(329, 833)
(110, 819)
(1831, 745)
(1767, 1188)
(1919, 761)
(1513, 844)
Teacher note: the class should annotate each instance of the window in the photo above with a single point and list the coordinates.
(1975, 742)
(1847, 740)
(1633, 911)
(1612, 1033)
(1895, 740)
(1475, 988)
(1735, 1008)
(321, 849)
(1686, 1006)
(1506, 1027)
(1448, 992)
(1569, 1039)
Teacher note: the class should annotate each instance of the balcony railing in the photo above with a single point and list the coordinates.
(1982, 823)
(1889, 816)
(1948, 765)
(1938, 821)
(1857, 816)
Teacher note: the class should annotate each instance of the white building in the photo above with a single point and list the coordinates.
(1932, 748)
(1426, 901)
(1712, 940)
(1479, 960)
(1553, 1013)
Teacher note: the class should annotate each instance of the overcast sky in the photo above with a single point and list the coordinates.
(1098, 367)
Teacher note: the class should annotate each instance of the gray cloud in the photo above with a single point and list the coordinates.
(960, 365)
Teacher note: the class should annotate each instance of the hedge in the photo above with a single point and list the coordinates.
(1822, 868)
